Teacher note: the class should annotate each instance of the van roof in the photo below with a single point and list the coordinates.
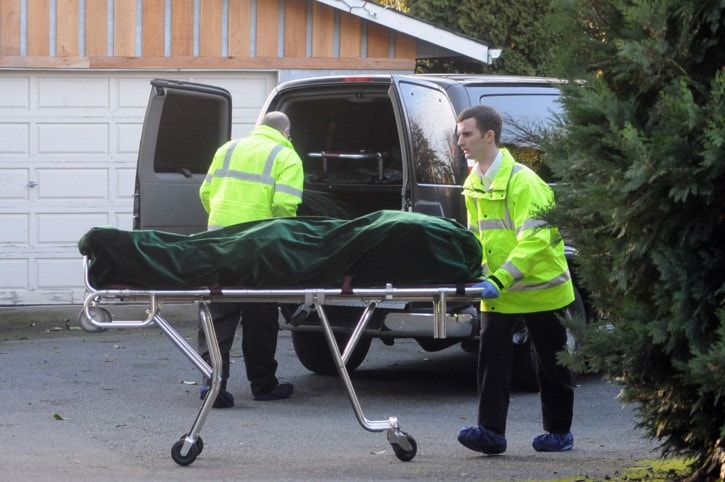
(441, 79)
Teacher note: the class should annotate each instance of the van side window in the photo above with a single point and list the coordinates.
(527, 119)
(432, 124)
(190, 132)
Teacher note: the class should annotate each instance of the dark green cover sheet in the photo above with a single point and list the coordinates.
(383, 247)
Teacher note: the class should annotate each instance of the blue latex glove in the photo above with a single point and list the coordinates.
(489, 289)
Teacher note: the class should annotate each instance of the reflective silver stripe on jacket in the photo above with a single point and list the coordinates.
(264, 178)
(515, 273)
(487, 224)
(559, 280)
(531, 224)
(288, 190)
(228, 155)
(269, 163)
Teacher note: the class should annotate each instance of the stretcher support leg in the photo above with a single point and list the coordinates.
(403, 444)
(185, 451)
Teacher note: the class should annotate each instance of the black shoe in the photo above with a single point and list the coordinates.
(224, 399)
(283, 390)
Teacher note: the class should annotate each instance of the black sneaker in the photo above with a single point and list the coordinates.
(482, 439)
(283, 390)
(224, 399)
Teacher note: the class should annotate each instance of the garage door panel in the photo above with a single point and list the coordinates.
(14, 274)
(133, 93)
(64, 184)
(13, 184)
(58, 273)
(246, 91)
(123, 221)
(15, 92)
(14, 138)
(72, 92)
(128, 136)
(76, 138)
(125, 179)
(59, 228)
(68, 148)
(14, 229)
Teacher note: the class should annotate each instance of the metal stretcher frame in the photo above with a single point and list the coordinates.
(94, 318)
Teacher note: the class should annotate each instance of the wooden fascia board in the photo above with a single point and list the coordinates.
(419, 29)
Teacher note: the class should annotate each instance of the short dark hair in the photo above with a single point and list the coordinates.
(277, 120)
(486, 117)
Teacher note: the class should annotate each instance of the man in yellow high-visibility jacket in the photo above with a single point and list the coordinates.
(253, 178)
(526, 276)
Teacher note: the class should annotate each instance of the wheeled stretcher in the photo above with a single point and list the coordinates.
(103, 290)
(95, 317)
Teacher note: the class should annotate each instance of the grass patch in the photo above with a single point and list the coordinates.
(649, 470)
(658, 470)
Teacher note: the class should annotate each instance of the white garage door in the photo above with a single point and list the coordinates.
(68, 145)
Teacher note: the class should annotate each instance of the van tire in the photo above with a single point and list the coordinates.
(314, 353)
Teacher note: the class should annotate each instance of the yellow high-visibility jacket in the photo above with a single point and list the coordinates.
(522, 254)
(253, 178)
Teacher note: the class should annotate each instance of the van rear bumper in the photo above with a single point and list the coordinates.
(408, 324)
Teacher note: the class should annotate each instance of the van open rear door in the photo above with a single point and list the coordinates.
(184, 125)
(436, 171)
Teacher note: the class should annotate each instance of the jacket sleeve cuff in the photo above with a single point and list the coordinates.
(496, 282)
(503, 278)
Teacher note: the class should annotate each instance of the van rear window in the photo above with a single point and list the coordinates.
(189, 134)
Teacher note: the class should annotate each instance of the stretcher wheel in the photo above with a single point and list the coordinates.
(199, 444)
(406, 455)
(98, 314)
(194, 451)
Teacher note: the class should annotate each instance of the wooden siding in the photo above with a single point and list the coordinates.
(96, 27)
(153, 32)
(67, 28)
(295, 32)
(240, 25)
(124, 28)
(10, 27)
(38, 31)
(350, 36)
(208, 34)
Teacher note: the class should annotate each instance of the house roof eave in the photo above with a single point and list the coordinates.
(417, 28)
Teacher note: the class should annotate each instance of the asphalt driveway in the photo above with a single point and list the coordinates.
(109, 406)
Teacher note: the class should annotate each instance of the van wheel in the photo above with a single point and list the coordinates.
(314, 353)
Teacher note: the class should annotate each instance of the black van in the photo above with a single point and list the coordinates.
(367, 143)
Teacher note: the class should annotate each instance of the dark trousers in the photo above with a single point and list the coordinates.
(260, 326)
(548, 337)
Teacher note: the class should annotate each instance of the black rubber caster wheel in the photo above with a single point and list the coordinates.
(199, 444)
(98, 314)
(404, 454)
(189, 457)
